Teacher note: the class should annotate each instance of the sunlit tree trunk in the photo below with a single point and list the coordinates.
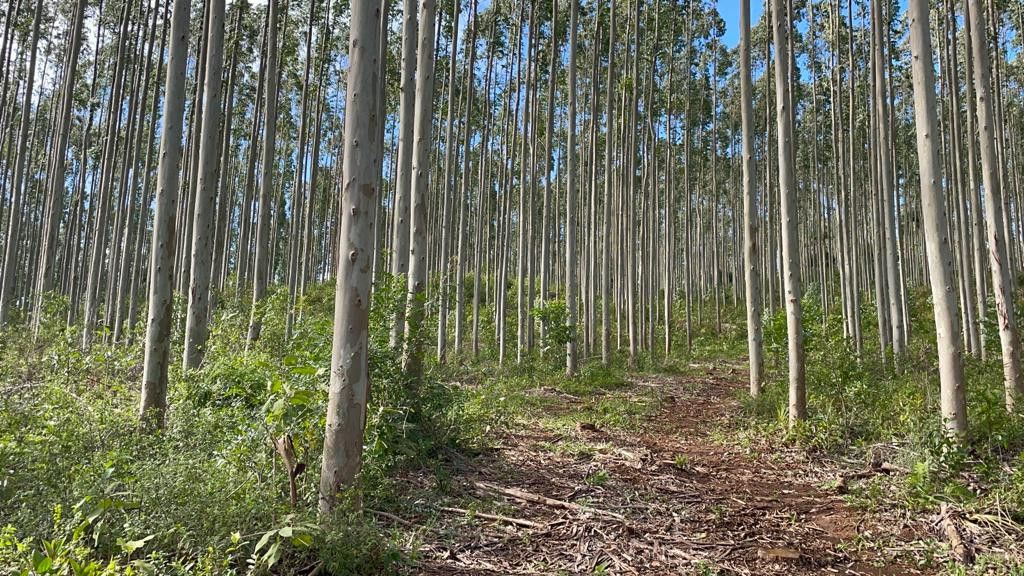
(349, 386)
(750, 210)
(161, 266)
(940, 259)
(197, 320)
(1002, 280)
(423, 140)
(263, 263)
(403, 186)
(788, 204)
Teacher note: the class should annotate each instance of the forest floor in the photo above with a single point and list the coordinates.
(673, 491)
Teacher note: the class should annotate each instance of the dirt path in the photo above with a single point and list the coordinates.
(668, 497)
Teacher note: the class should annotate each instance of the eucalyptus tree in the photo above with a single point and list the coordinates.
(299, 199)
(412, 360)
(18, 186)
(203, 240)
(102, 195)
(606, 282)
(262, 267)
(788, 204)
(999, 258)
(940, 259)
(887, 188)
(571, 257)
(225, 196)
(403, 185)
(161, 267)
(55, 203)
(750, 210)
(462, 196)
(349, 386)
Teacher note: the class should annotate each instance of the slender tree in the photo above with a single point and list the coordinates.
(161, 266)
(349, 386)
(999, 261)
(750, 211)
(18, 187)
(571, 258)
(198, 315)
(403, 186)
(412, 361)
(263, 262)
(789, 208)
(940, 258)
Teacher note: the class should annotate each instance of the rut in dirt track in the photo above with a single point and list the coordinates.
(669, 497)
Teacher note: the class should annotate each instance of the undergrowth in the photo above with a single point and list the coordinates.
(874, 409)
(84, 492)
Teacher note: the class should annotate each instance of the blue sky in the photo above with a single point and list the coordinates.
(730, 11)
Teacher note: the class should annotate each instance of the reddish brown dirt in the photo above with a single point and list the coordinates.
(668, 497)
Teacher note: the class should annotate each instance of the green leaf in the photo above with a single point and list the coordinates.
(286, 532)
(41, 563)
(274, 554)
(302, 540)
(133, 545)
(263, 541)
(301, 398)
(277, 409)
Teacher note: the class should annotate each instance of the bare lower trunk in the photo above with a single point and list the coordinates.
(161, 268)
(349, 385)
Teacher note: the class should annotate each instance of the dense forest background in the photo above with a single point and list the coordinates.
(284, 283)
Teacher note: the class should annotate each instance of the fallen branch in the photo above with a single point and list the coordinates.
(544, 500)
(496, 517)
(962, 550)
(394, 518)
(778, 554)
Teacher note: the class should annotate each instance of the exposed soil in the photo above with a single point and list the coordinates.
(673, 496)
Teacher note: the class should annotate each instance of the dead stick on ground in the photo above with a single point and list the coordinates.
(961, 550)
(394, 518)
(517, 521)
(538, 499)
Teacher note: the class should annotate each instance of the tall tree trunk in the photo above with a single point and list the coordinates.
(55, 206)
(1002, 280)
(606, 280)
(262, 270)
(788, 204)
(750, 210)
(886, 185)
(447, 190)
(571, 258)
(349, 387)
(19, 187)
(412, 361)
(463, 194)
(403, 185)
(197, 321)
(299, 198)
(940, 259)
(161, 267)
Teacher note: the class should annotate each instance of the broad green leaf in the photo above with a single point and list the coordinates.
(41, 563)
(133, 545)
(263, 541)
